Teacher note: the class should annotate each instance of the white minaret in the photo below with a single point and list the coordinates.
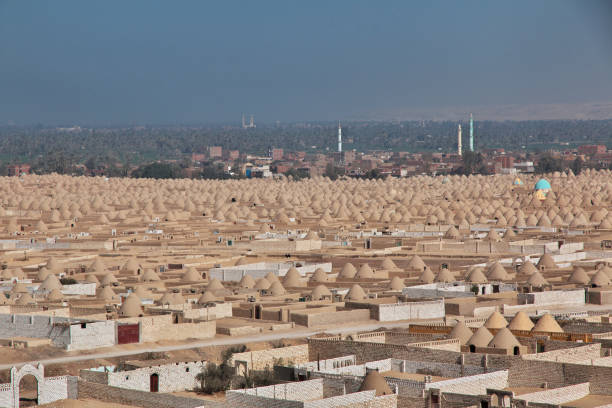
(459, 141)
(339, 138)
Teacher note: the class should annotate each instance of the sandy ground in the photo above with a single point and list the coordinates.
(52, 357)
(84, 403)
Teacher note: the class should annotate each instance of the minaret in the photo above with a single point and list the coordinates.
(471, 133)
(459, 140)
(339, 138)
(243, 122)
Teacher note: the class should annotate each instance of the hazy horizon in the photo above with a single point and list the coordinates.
(153, 62)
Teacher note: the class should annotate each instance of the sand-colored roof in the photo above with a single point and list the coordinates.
(55, 295)
(319, 275)
(215, 285)
(191, 275)
(547, 262)
(25, 299)
(504, 339)
(416, 263)
(106, 293)
(527, 268)
(445, 276)
(389, 265)
(476, 276)
(396, 284)
(277, 289)
(247, 282)
(536, 279)
(481, 338)
(272, 277)
(496, 321)
(131, 306)
(356, 292)
(521, 322)
(348, 271)
(600, 279)
(497, 272)
(262, 284)
(461, 332)
(320, 292)
(207, 297)
(51, 282)
(547, 324)
(150, 275)
(427, 276)
(374, 381)
(364, 272)
(579, 276)
(293, 279)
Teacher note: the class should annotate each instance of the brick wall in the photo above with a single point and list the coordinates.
(259, 360)
(557, 396)
(143, 399)
(473, 385)
(171, 377)
(161, 327)
(91, 335)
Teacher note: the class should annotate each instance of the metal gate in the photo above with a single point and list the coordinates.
(128, 333)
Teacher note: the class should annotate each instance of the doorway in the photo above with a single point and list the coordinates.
(28, 391)
(154, 383)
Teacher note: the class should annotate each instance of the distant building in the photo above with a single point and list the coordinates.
(233, 154)
(215, 151)
(348, 156)
(506, 162)
(197, 157)
(524, 167)
(277, 154)
(590, 150)
(18, 169)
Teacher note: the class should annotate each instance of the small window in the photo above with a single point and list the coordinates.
(187, 369)
(83, 325)
(127, 377)
(435, 399)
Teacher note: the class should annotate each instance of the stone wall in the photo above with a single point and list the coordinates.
(364, 352)
(553, 297)
(259, 360)
(35, 326)
(50, 389)
(436, 369)
(574, 355)
(172, 377)
(472, 385)
(101, 392)
(218, 311)
(310, 319)
(62, 331)
(410, 310)
(86, 336)
(557, 396)
(162, 327)
(305, 394)
(88, 289)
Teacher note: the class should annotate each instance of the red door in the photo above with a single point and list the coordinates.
(127, 333)
(154, 383)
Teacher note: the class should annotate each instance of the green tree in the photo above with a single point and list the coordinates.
(577, 165)
(157, 171)
(547, 164)
(472, 163)
(331, 171)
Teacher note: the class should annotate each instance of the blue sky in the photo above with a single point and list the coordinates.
(170, 62)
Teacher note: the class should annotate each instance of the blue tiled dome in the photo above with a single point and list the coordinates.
(542, 184)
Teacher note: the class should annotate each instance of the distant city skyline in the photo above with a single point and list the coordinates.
(154, 62)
